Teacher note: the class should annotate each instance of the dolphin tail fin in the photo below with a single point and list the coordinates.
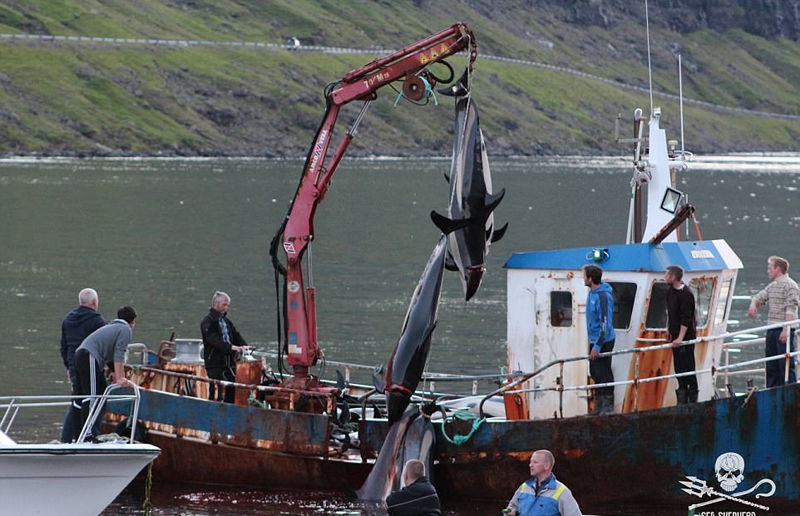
(460, 88)
(447, 225)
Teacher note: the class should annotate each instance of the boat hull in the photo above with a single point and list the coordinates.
(67, 479)
(635, 459)
(629, 459)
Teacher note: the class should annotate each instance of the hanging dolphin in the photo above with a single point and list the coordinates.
(469, 224)
(411, 351)
(411, 437)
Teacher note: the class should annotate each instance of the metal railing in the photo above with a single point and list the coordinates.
(13, 404)
(728, 369)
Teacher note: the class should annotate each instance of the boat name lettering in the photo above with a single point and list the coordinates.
(726, 513)
(699, 254)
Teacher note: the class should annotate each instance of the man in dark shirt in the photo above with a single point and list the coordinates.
(681, 326)
(221, 342)
(76, 326)
(418, 497)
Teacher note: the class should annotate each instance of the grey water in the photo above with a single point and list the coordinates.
(164, 234)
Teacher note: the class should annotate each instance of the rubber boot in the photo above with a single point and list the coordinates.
(692, 396)
(682, 395)
(607, 406)
(597, 404)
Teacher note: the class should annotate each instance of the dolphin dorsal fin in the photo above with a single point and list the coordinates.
(498, 233)
(492, 200)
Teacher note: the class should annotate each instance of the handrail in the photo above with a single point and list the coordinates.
(12, 405)
(520, 377)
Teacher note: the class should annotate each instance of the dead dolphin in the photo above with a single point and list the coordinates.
(411, 351)
(469, 224)
(411, 437)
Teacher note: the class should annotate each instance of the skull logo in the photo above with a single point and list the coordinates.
(730, 470)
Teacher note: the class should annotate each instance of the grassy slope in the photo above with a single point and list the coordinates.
(64, 98)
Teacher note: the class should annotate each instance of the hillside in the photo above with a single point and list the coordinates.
(550, 78)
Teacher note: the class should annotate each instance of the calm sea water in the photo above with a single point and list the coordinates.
(163, 235)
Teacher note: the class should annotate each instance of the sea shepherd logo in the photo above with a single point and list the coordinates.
(729, 469)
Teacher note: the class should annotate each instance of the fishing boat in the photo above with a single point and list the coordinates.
(295, 429)
(76, 478)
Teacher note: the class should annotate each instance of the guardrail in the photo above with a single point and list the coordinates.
(727, 370)
(13, 404)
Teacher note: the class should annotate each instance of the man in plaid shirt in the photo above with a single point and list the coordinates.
(783, 298)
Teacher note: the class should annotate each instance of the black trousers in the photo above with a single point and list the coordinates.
(91, 382)
(683, 359)
(600, 370)
(227, 374)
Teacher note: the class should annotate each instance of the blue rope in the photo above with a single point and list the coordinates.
(428, 93)
(463, 415)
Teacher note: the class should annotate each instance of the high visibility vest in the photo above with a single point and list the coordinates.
(543, 504)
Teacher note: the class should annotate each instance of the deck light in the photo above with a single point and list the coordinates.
(672, 199)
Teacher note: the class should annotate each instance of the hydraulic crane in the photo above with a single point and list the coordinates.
(412, 65)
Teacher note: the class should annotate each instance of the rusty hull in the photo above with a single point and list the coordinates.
(636, 458)
(630, 459)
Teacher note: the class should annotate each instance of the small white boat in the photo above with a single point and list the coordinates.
(80, 478)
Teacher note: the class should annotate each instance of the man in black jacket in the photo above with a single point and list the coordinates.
(76, 326)
(221, 342)
(682, 326)
(418, 497)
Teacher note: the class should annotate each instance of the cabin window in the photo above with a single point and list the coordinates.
(722, 306)
(657, 310)
(624, 294)
(560, 308)
(703, 290)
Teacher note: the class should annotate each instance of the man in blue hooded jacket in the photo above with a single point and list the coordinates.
(600, 330)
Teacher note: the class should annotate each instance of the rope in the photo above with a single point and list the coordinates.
(147, 505)
(428, 92)
(254, 402)
(463, 415)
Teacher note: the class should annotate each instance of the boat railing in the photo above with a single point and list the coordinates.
(11, 406)
(517, 378)
(292, 396)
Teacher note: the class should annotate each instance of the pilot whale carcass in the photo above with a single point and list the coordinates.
(469, 224)
(411, 352)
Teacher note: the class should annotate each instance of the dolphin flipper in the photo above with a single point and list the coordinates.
(447, 225)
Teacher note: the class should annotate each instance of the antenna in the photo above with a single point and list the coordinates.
(680, 95)
(649, 65)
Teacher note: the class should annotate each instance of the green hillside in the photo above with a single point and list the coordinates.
(78, 97)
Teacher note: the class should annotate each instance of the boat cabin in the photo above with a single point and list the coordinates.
(547, 323)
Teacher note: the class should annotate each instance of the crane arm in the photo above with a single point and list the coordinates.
(297, 231)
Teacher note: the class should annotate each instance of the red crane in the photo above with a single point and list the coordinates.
(412, 65)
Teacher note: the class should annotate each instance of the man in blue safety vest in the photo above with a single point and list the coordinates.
(542, 494)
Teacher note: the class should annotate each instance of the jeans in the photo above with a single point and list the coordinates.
(776, 369)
